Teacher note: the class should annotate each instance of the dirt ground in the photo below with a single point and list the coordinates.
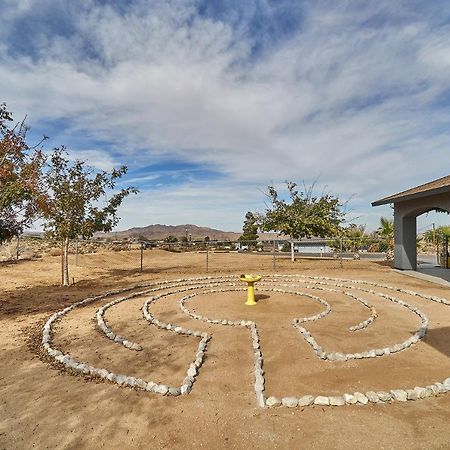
(43, 406)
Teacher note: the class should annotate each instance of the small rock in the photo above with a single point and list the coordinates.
(372, 397)
(349, 399)
(321, 400)
(361, 398)
(337, 400)
(185, 389)
(384, 396)
(290, 402)
(174, 391)
(306, 400)
(162, 389)
(399, 395)
(441, 388)
(411, 394)
(273, 401)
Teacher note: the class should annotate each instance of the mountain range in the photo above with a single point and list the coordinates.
(192, 232)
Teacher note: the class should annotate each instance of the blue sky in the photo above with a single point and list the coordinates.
(208, 102)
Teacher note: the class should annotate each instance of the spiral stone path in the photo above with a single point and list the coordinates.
(341, 323)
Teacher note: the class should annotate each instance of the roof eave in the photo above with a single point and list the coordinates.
(400, 198)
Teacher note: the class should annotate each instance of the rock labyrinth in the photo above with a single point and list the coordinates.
(189, 288)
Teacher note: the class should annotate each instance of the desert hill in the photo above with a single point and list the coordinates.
(159, 231)
(196, 233)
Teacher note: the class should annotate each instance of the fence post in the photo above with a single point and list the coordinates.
(142, 255)
(76, 252)
(446, 252)
(18, 248)
(340, 253)
(273, 254)
(207, 257)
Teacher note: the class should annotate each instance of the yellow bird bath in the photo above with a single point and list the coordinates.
(250, 280)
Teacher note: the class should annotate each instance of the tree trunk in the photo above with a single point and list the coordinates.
(292, 251)
(65, 262)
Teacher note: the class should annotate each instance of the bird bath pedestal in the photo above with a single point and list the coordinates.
(250, 280)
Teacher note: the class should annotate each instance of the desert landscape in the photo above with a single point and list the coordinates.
(308, 366)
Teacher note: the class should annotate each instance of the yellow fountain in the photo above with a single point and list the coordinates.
(250, 280)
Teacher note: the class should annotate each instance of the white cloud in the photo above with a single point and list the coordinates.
(342, 99)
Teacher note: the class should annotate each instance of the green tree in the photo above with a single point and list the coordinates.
(386, 232)
(21, 196)
(303, 215)
(171, 239)
(77, 202)
(355, 238)
(249, 229)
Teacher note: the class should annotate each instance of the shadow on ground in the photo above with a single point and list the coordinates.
(439, 338)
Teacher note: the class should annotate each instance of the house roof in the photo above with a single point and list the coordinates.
(438, 186)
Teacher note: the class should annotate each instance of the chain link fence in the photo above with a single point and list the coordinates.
(200, 256)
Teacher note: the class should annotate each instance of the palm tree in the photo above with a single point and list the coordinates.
(386, 231)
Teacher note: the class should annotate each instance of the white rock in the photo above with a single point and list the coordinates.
(174, 391)
(372, 396)
(361, 398)
(399, 395)
(321, 400)
(185, 389)
(411, 394)
(290, 402)
(162, 389)
(306, 400)
(273, 401)
(337, 400)
(349, 399)
(384, 396)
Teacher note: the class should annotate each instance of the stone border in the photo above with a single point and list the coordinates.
(201, 282)
(335, 400)
(83, 368)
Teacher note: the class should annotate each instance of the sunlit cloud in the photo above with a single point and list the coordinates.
(353, 94)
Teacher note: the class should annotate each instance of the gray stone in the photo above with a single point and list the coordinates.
(361, 398)
(161, 389)
(411, 394)
(427, 393)
(337, 400)
(350, 399)
(141, 383)
(273, 401)
(290, 402)
(185, 389)
(372, 396)
(321, 400)
(446, 383)
(306, 400)
(121, 379)
(399, 395)
(384, 396)
(174, 391)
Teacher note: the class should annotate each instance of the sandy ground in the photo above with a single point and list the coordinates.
(42, 406)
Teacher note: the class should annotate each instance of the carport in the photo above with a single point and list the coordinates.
(408, 205)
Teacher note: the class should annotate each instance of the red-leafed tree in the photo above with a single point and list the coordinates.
(22, 197)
